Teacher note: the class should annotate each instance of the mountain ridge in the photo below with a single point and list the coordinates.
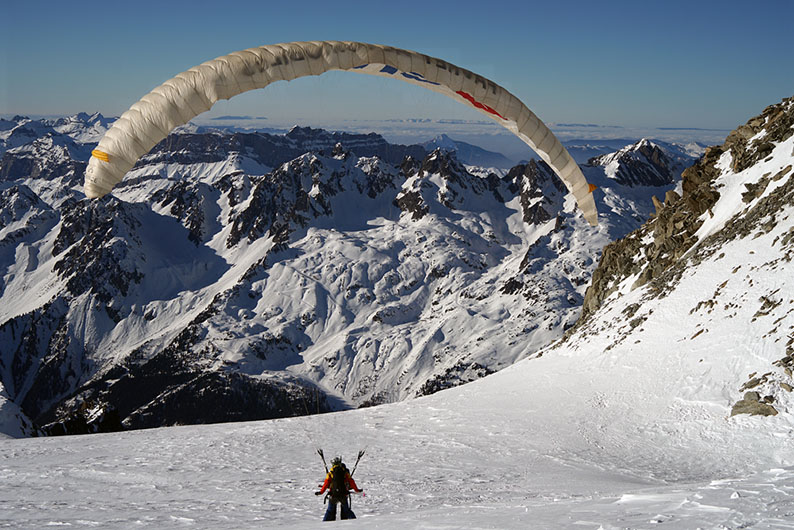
(334, 275)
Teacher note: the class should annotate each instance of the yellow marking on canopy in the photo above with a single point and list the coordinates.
(101, 155)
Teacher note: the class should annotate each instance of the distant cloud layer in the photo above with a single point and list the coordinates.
(230, 118)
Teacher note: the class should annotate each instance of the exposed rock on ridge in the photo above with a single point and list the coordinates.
(670, 234)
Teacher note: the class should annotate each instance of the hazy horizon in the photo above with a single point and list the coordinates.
(708, 65)
(480, 132)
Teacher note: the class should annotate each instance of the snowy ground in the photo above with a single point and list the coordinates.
(547, 443)
(620, 427)
(626, 425)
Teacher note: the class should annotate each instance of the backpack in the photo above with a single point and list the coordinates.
(338, 489)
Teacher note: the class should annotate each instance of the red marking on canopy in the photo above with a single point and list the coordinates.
(468, 97)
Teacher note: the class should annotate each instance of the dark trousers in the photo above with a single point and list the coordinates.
(347, 513)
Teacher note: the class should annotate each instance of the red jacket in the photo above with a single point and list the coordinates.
(348, 480)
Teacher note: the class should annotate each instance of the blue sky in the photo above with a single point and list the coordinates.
(657, 64)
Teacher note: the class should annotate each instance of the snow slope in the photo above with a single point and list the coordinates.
(242, 258)
(576, 438)
(623, 423)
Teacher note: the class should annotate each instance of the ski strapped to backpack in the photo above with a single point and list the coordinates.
(320, 452)
(360, 454)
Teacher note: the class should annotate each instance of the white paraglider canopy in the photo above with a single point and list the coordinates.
(196, 90)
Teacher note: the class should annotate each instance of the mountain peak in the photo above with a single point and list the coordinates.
(298, 130)
(643, 163)
(469, 154)
(443, 162)
(442, 140)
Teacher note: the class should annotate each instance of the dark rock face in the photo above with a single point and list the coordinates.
(778, 120)
(40, 361)
(279, 200)
(62, 365)
(17, 201)
(413, 203)
(672, 230)
(98, 264)
(168, 391)
(540, 189)
(177, 386)
(301, 190)
(25, 332)
(445, 164)
(380, 177)
(46, 356)
(21, 206)
(456, 375)
(458, 183)
(188, 202)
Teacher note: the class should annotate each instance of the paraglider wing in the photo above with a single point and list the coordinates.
(190, 93)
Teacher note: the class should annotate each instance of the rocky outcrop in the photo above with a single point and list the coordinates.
(540, 190)
(747, 146)
(459, 374)
(178, 385)
(23, 218)
(190, 202)
(97, 248)
(162, 392)
(16, 202)
(754, 405)
(282, 200)
(410, 201)
(302, 190)
(657, 246)
(760, 390)
(45, 158)
(451, 191)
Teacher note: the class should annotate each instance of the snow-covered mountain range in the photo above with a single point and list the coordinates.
(668, 403)
(247, 276)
